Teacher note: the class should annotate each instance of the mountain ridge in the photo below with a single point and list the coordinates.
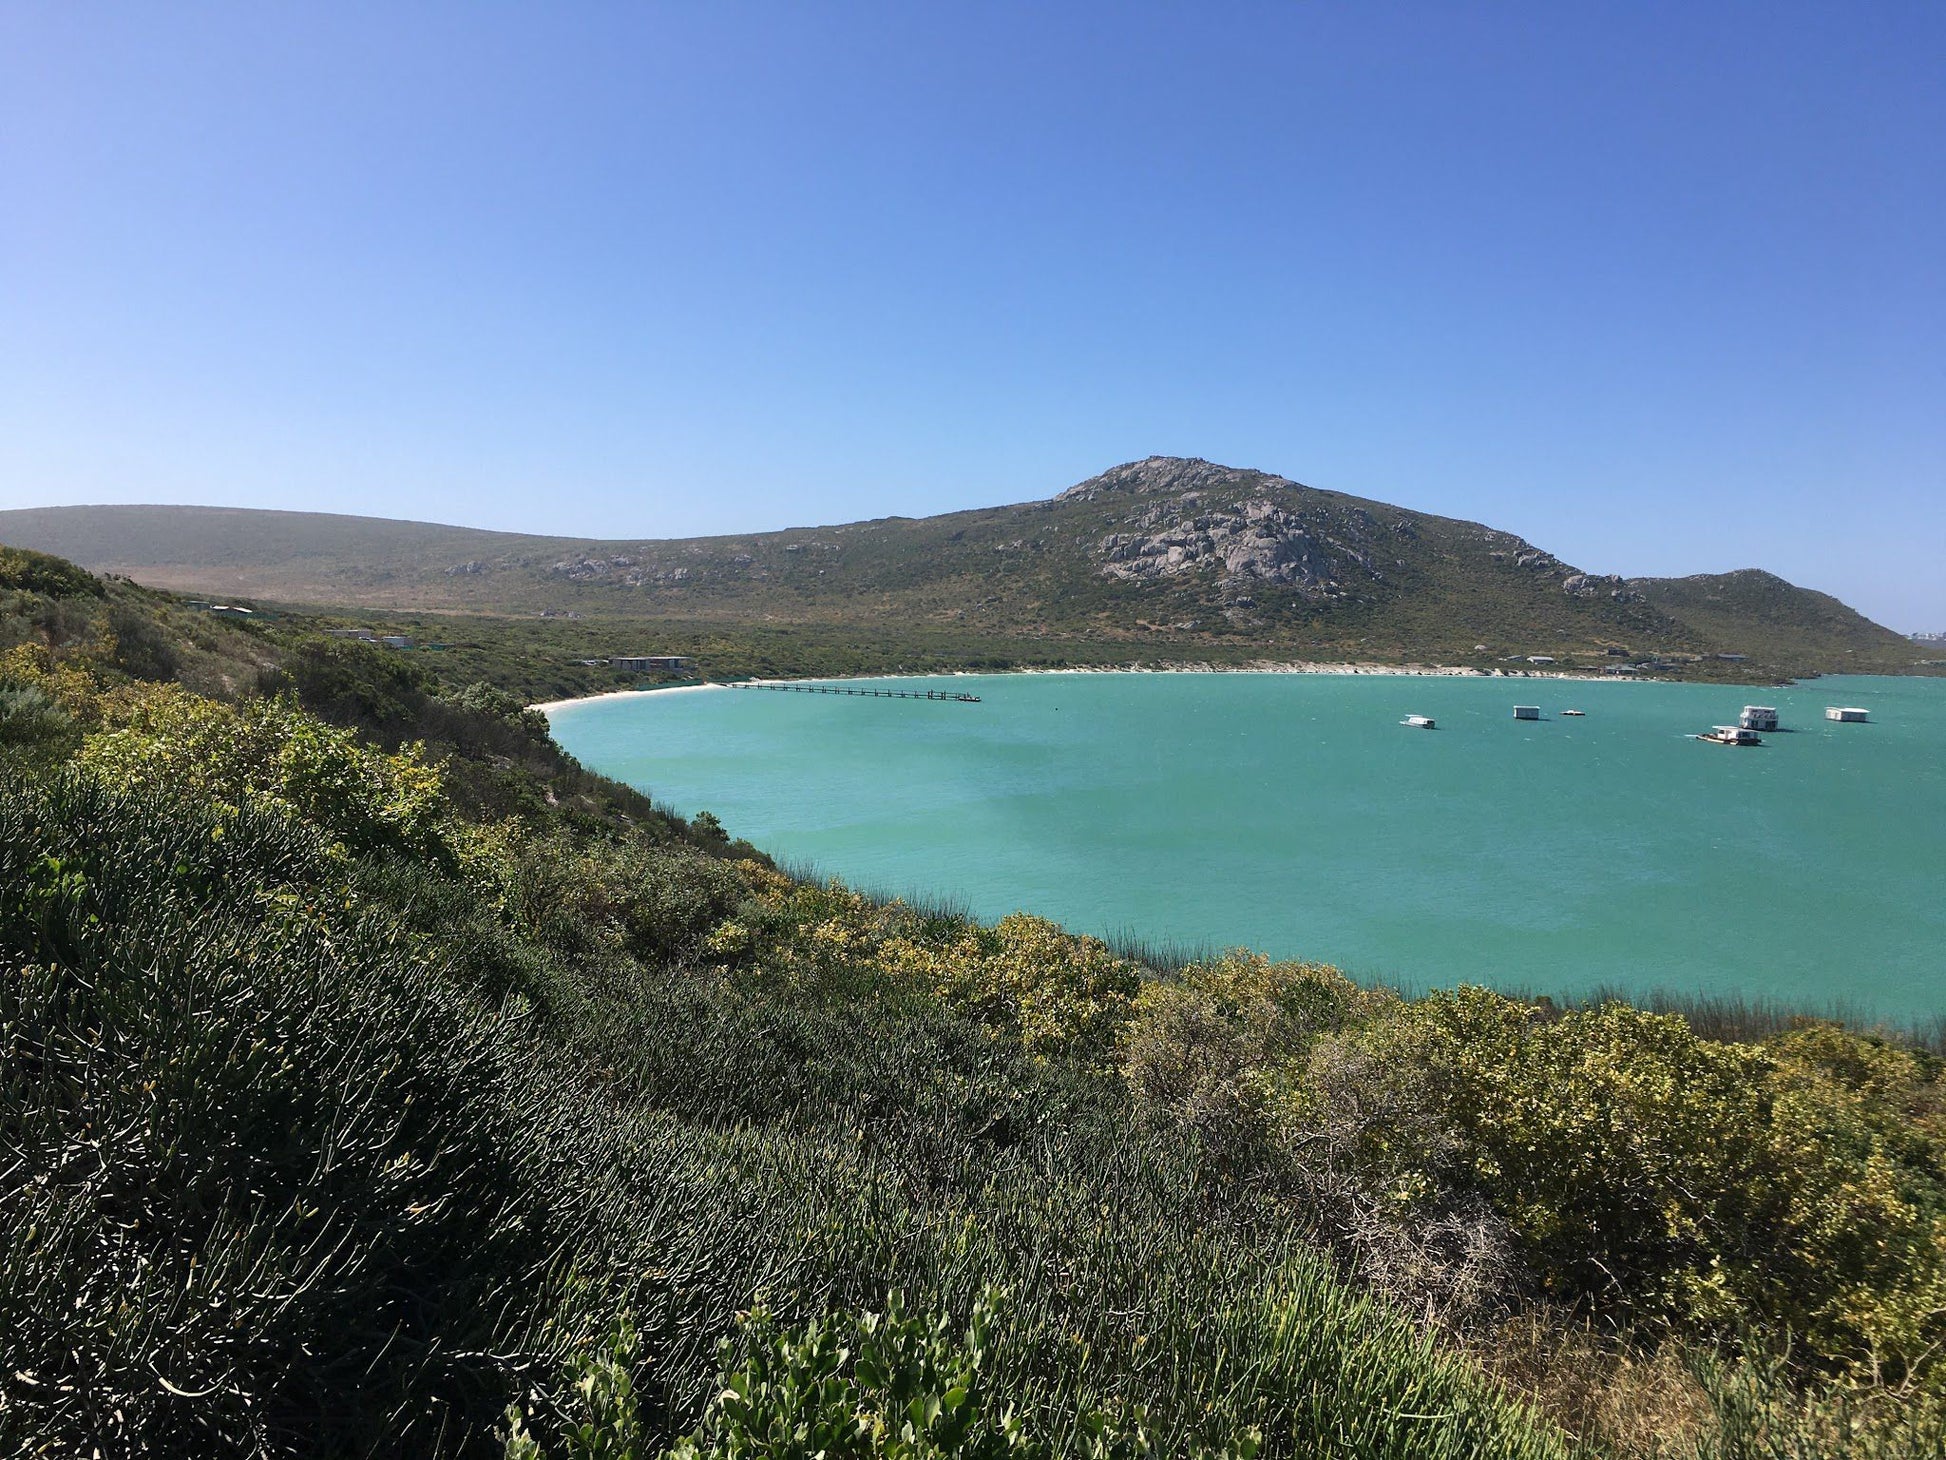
(1162, 548)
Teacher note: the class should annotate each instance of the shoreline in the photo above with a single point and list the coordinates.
(548, 707)
(1263, 666)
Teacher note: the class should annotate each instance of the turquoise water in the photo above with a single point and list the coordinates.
(1294, 814)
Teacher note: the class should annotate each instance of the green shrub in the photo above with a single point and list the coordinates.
(268, 1190)
(1029, 979)
(1210, 1045)
(31, 718)
(144, 647)
(1799, 1184)
(269, 753)
(892, 1385)
(24, 570)
(589, 890)
(493, 703)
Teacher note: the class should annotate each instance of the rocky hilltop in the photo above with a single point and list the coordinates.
(1169, 551)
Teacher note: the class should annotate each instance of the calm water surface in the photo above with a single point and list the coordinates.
(1294, 814)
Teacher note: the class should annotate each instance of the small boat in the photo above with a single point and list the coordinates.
(1574, 714)
(1847, 714)
(1419, 722)
(1732, 735)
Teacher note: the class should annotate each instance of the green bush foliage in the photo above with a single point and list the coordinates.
(652, 901)
(271, 754)
(854, 1386)
(261, 1166)
(1795, 1185)
(23, 570)
(1026, 977)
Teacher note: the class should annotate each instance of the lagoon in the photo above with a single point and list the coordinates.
(1294, 814)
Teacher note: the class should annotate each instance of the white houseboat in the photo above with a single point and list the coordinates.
(1419, 722)
(1758, 717)
(1847, 714)
(1527, 712)
(1732, 735)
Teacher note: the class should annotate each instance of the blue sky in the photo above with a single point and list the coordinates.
(1660, 287)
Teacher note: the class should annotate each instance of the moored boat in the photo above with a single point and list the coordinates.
(1732, 735)
(1419, 722)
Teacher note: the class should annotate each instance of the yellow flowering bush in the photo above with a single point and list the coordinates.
(1799, 1182)
(270, 753)
(1025, 976)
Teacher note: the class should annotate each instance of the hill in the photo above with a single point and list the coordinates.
(1772, 618)
(1167, 552)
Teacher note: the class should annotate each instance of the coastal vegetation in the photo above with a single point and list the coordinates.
(379, 1081)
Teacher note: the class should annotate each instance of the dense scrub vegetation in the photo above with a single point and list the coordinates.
(540, 658)
(376, 1081)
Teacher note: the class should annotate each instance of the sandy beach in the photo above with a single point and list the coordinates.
(1305, 666)
(548, 707)
(1299, 666)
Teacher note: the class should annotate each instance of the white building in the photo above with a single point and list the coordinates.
(1847, 714)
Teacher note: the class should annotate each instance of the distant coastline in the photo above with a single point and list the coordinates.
(1267, 666)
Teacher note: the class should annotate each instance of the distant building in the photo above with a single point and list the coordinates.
(365, 635)
(395, 641)
(650, 663)
(231, 610)
(1540, 658)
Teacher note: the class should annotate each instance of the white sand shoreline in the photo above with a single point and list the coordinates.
(548, 707)
(1297, 666)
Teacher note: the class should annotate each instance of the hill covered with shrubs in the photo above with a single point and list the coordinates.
(377, 1081)
(1163, 559)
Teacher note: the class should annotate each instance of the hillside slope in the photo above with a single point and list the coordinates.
(1769, 616)
(1165, 549)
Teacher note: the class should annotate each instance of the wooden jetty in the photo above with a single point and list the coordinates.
(868, 694)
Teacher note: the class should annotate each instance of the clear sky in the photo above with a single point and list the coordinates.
(1661, 287)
